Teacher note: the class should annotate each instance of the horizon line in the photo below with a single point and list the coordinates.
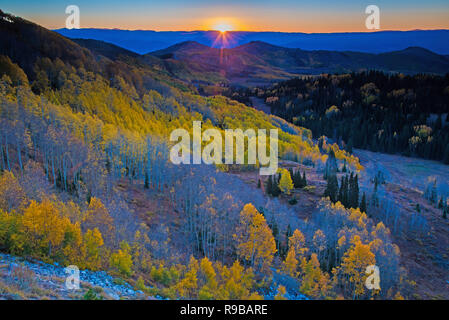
(266, 31)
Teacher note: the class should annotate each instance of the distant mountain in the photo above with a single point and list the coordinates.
(105, 49)
(144, 41)
(259, 62)
(253, 63)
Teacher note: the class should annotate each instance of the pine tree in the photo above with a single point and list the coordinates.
(270, 186)
(332, 188)
(363, 203)
(433, 194)
(341, 191)
(304, 179)
(354, 192)
(440, 203)
(297, 181)
(344, 167)
(147, 181)
(276, 191)
(346, 192)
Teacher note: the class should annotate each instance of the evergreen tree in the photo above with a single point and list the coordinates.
(346, 192)
(270, 186)
(433, 194)
(332, 188)
(341, 191)
(331, 165)
(363, 203)
(304, 179)
(147, 181)
(275, 190)
(440, 203)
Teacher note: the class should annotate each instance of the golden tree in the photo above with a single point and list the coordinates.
(44, 226)
(92, 242)
(281, 292)
(298, 242)
(255, 241)
(290, 264)
(314, 283)
(353, 267)
(12, 195)
(285, 183)
(122, 260)
(97, 216)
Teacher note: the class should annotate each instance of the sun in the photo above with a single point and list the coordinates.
(223, 27)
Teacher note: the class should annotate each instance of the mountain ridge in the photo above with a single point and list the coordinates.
(144, 41)
(264, 62)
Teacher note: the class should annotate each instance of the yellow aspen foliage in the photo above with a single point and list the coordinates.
(10, 237)
(189, 283)
(398, 296)
(354, 264)
(72, 243)
(238, 283)
(280, 295)
(290, 264)
(255, 296)
(12, 195)
(92, 241)
(97, 216)
(255, 241)
(44, 226)
(208, 275)
(285, 183)
(140, 284)
(314, 283)
(298, 242)
(141, 256)
(122, 260)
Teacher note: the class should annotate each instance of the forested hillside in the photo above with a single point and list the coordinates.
(390, 113)
(86, 180)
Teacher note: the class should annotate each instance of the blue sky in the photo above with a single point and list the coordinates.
(265, 15)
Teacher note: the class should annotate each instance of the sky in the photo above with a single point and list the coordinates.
(244, 15)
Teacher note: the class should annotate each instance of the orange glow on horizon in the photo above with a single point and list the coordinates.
(223, 24)
(223, 27)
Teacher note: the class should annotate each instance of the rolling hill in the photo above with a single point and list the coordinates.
(259, 62)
